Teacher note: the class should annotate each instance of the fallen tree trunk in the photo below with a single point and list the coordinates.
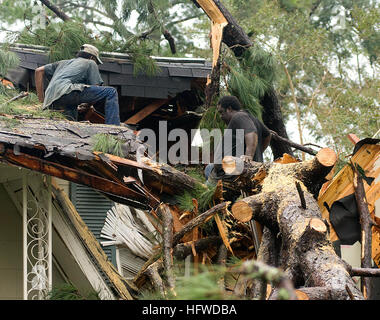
(306, 254)
(250, 175)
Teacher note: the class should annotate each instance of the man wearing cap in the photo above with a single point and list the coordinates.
(77, 81)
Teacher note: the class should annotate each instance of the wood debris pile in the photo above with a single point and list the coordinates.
(293, 235)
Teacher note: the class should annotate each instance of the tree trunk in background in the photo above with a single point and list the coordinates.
(273, 119)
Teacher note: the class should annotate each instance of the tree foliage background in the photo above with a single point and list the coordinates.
(328, 55)
(322, 56)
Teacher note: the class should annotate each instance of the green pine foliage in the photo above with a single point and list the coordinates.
(107, 143)
(63, 38)
(140, 52)
(211, 120)
(8, 60)
(250, 76)
(68, 291)
(28, 106)
(210, 282)
(202, 286)
(202, 193)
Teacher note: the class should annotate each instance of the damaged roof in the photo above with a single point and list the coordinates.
(65, 149)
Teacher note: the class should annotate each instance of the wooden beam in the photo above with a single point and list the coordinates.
(353, 138)
(146, 111)
(124, 161)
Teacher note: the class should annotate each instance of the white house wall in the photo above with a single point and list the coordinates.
(10, 249)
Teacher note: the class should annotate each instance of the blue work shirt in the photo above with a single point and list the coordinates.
(70, 75)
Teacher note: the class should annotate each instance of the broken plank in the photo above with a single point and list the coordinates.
(146, 111)
(223, 232)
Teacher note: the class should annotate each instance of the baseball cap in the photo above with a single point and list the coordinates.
(91, 50)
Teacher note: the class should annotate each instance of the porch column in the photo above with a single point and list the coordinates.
(37, 240)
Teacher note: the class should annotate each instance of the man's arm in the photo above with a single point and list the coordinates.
(266, 141)
(251, 144)
(39, 77)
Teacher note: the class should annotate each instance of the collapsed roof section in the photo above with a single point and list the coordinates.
(64, 149)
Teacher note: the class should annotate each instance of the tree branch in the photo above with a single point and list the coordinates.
(56, 10)
(292, 144)
(164, 31)
(197, 221)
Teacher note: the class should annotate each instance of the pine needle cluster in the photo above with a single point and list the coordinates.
(202, 193)
(68, 291)
(28, 106)
(107, 143)
(201, 286)
(65, 38)
(140, 52)
(250, 77)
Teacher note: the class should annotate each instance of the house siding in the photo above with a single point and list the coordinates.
(92, 207)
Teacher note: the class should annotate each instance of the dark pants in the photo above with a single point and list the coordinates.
(91, 95)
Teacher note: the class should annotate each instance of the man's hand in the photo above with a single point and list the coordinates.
(246, 158)
(84, 107)
(251, 144)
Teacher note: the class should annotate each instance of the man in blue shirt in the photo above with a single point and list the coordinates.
(77, 81)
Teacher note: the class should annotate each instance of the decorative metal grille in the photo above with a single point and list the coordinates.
(37, 244)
